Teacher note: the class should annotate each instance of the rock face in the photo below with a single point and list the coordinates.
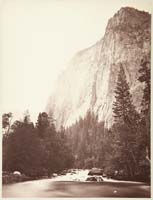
(91, 75)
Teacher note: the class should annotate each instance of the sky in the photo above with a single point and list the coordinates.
(38, 38)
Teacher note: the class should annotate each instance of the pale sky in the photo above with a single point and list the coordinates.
(38, 37)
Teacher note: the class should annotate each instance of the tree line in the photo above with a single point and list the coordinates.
(124, 149)
(34, 150)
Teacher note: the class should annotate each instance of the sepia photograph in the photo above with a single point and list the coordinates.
(76, 98)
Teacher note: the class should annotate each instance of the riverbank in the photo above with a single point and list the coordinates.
(67, 175)
(14, 178)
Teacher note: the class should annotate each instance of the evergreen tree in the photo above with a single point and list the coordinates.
(24, 151)
(125, 127)
(123, 109)
(144, 77)
(44, 123)
(6, 121)
(26, 118)
(57, 155)
(86, 137)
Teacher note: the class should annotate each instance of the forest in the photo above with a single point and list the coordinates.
(34, 150)
(123, 150)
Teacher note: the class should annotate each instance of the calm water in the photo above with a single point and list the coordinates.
(75, 186)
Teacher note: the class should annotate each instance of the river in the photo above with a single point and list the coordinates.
(74, 185)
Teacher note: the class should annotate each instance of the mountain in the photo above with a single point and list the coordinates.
(90, 78)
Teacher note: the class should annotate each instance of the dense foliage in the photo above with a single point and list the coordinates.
(35, 150)
(127, 145)
(87, 140)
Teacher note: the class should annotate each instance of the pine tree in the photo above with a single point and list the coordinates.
(144, 78)
(43, 124)
(6, 121)
(125, 127)
(123, 109)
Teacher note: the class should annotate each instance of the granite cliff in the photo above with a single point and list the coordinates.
(90, 78)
